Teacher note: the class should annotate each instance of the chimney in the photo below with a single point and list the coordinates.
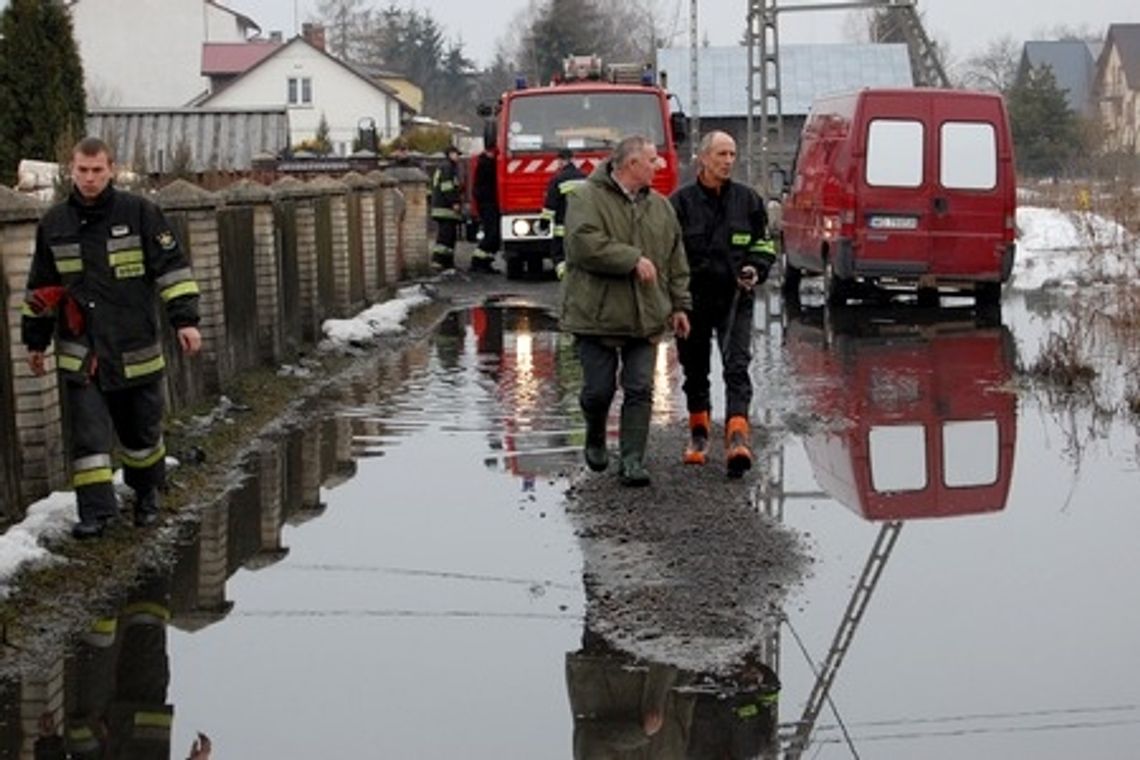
(276, 36)
(314, 34)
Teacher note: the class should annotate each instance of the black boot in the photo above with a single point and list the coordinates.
(597, 456)
(87, 529)
(146, 508)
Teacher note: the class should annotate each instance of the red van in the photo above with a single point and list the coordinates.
(902, 188)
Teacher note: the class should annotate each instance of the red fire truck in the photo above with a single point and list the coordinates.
(587, 109)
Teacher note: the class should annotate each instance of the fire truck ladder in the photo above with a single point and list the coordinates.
(860, 598)
(765, 146)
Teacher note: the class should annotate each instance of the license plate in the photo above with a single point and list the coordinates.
(893, 222)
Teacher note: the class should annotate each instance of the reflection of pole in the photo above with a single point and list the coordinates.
(860, 597)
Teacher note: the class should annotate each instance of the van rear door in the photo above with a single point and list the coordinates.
(968, 208)
(894, 185)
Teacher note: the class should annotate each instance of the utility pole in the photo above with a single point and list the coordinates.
(694, 89)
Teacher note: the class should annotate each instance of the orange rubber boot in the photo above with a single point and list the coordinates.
(737, 448)
(699, 426)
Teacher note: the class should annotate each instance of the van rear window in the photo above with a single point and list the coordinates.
(894, 153)
(968, 156)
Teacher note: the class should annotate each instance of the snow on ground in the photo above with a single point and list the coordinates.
(1066, 249)
(1054, 248)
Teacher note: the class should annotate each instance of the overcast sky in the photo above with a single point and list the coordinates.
(965, 25)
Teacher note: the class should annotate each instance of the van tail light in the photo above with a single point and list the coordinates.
(1010, 228)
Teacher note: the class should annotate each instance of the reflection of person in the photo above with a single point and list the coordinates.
(623, 708)
(116, 686)
(486, 194)
(627, 284)
(100, 257)
(725, 231)
(734, 717)
(568, 177)
(446, 194)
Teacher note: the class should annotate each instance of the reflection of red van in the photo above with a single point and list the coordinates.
(906, 187)
(920, 423)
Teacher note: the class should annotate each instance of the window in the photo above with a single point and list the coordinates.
(970, 453)
(300, 91)
(894, 153)
(968, 158)
(582, 121)
(898, 458)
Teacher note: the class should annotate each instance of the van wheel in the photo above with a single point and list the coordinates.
(835, 288)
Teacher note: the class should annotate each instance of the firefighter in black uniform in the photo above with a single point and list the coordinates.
(568, 177)
(446, 195)
(486, 194)
(100, 257)
(725, 229)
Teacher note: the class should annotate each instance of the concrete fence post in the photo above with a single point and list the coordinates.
(193, 211)
(333, 202)
(392, 211)
(363, 236)
(31, 407)
(414, 186)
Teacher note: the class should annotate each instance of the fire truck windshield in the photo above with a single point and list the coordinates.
(582, 120)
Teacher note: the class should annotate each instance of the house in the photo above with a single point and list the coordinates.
(302, 76)
(806, 71)
(1073, 63)
(147, 53)
(1117, 87)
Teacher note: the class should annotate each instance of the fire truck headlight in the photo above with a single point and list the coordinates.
(521, 228)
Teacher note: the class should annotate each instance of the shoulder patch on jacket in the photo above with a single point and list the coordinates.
(166, 240)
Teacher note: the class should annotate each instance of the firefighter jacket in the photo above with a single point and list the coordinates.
(110, 257)
(560, 186)
(484, 185)
(606, 233)
(446, 191)
(723, 232)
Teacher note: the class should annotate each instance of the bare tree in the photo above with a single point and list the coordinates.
(993, 68)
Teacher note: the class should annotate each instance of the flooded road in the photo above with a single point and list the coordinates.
(403, 575)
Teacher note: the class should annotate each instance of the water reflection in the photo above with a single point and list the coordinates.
(628, 708)
(920, 421)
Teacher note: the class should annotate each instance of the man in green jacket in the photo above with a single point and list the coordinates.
(626, 288)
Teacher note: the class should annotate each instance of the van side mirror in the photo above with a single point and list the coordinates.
(679, 124)
(777, 180)
(484, 110)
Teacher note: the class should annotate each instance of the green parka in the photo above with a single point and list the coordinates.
(606, 233)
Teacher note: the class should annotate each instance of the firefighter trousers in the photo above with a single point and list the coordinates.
(96, 418)
(710, 318)
(446, 235)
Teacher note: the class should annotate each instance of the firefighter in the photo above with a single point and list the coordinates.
(485, 191)
(568, 177)
(725, 229)
(99, 259)
(446, 192)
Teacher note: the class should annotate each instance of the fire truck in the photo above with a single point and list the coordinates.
(587, 109)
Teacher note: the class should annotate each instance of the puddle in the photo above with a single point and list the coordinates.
(402, 577)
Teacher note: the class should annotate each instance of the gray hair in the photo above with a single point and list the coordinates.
(627, 148)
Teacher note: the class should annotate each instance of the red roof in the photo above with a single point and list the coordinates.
(234, 57)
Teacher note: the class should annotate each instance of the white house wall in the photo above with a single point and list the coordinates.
(343, 97)
(145, 53)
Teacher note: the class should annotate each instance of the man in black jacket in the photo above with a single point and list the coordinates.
(568, 177)
(725, 231)
(100, 257)
(484, 189)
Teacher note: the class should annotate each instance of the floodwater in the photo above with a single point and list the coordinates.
(398, 577)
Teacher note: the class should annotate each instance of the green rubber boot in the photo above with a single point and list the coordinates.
(634, 437)
(597, 456)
